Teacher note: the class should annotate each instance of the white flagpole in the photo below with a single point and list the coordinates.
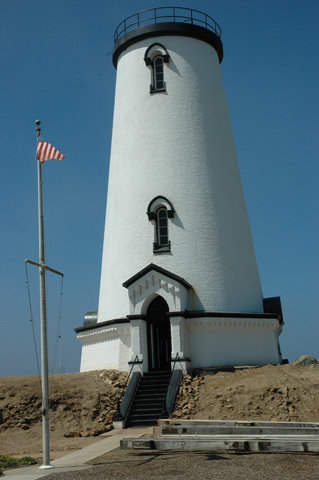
(43, 323)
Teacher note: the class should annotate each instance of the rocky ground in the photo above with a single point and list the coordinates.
(83, 404)
(286, 393)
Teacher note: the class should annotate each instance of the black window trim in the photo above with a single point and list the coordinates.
(149, 60)
(155, 206)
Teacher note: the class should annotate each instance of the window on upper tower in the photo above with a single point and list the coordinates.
(155, 57)
(158, 73)
(162, 227)
(160, 210)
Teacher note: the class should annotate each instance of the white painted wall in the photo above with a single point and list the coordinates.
(106, 348)
(233, 341)
(178, 144)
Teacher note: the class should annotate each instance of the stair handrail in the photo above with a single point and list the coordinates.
(176, 358)
(118, 409)
(165, 413)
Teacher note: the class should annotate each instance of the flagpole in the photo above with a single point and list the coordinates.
(43, 324)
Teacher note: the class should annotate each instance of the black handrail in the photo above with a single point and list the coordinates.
(176, 358)
(121, 395)
(169, 398)
(171, 14)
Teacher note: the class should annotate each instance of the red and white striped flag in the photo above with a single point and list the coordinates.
(46, 151)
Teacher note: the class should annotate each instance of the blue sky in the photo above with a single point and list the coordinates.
(56, 65)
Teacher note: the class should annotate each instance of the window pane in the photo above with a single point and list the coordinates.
(162, 213)
(164, 240)
(163, 231)
(162, 226)
(158, 73)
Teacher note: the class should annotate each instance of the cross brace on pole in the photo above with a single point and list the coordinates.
(45, 267)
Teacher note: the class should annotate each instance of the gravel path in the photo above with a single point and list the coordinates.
(157, 465)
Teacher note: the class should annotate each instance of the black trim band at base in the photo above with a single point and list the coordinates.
(137, 317)
(117, 321)
(199, 314)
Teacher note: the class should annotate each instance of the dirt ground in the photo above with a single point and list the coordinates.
(83, 404)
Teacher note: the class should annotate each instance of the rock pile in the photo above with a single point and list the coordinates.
(274, 392)
(80, 408)
(188, 396)
(22, 413)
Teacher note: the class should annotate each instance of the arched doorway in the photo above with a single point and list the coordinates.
(158, 335)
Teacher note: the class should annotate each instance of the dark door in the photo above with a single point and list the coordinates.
(158, 335)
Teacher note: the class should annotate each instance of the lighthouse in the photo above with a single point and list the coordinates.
(179, 279)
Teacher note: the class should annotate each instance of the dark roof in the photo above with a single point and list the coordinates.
(167, 29)
(158, 269)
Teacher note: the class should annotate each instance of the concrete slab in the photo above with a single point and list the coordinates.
(77, 460)
(229, 435)
(235, 443)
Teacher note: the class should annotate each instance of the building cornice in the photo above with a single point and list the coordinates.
(95, 326)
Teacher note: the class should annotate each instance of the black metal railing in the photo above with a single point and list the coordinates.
(169, 398)
(167, 14)
(121, 394)
(175, 360)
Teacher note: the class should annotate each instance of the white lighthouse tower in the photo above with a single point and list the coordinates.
(179, 279)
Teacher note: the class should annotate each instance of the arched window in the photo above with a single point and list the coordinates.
(155, 57)
(162, 227)
(160, 210)
(158, 73)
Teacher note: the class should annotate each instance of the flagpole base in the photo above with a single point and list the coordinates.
(46, 467)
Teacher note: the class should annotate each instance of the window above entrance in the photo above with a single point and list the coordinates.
(160, 209)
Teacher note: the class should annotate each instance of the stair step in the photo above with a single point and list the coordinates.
(145, 415)
(132, 423)
(153, 385)
(155, 391)
(148, 404)
(150, 401)
(154, 382)
(139, 409)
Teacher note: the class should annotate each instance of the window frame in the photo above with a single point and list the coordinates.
(154, 52)
(157, 205)
(156, 73)
(159, 227)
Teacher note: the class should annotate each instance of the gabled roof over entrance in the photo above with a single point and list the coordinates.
(158, 269)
